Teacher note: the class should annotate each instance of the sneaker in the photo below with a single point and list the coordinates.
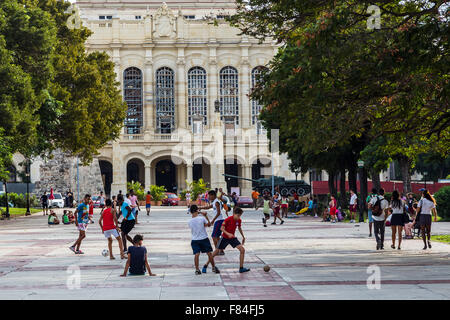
(282, 222)
(204, 269)
(315, 216)
(215, 270)
(79, 252)
(273, 223)
(198, 272)
(265, 225)
(73, 249)
(429, 244)
(242, 270)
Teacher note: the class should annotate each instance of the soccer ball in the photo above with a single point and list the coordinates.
(105, 252)
(266, 268)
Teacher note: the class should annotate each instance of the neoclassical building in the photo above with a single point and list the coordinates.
(186, 81)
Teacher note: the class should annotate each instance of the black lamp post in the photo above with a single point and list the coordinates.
(27, 174)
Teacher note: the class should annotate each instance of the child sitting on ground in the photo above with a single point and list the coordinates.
(71, 217)
(52, 218)
(65, 217)
(137, 261)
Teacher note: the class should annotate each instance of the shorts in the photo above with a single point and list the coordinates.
(425, 220)
(369, 212)
(266, 215)
(45, 206)
(203, 246)
(82, 226)
(111, 232)
(127, 226)
(148, 205)
(216, 230)
(352, 208)
(276, 210)
(284, 206)
(224, 242)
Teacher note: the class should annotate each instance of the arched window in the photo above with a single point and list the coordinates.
(229, 93)
(197, 104)
(132, 92)
(256, 106)
(165, 100)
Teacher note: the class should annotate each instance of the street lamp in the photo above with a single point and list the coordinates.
(27, 174)
(361, 198)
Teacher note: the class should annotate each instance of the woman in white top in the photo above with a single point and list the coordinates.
(397, 221)
(426, 205)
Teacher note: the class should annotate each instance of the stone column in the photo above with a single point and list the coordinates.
(181, 90)
(147, 176)
(189, 172)
(247, 185)
(148, 91)
(119, 171)
(245, 110)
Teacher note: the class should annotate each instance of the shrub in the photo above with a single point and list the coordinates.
(443, 202)
(158, 192)
(137, 188)
(196, 188)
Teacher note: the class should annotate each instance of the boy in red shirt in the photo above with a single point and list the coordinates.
(228, 229)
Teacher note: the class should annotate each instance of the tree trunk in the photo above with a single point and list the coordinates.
(331, 184)
(363, 192)
(343, 197)
(405, 168)
(376, 183)
(352, 177)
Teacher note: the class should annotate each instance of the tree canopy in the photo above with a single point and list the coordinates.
(54, 94)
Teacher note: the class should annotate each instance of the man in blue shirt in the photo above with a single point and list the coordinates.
(82, 222)
(128, 221)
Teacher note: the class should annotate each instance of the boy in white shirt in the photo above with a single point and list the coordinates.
(200, 241)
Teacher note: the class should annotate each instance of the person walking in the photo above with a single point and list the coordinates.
(44, 203)
(353, 205)
(369, 211)
(333, 208)
(128, 221)
(82, 222)
(378, 206)
(134, 205)
(148, 202)
(397, 220)
(425, 207)
(266, 209)
(255, 196)
(315, 206)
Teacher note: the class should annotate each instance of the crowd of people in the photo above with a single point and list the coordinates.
(119, 215)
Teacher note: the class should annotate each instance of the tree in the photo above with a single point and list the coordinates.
(335, 81)
(55, 94)
(435, 165)
(376, 159)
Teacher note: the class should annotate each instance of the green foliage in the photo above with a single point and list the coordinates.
(436, 166)
(54, 94)
(196, 188)
(442, 198)
(137, 188)
(158, 192)
(19, 200)
(336, 84)
(183, 194)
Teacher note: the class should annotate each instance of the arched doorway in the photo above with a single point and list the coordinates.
(106, 170)
(166, 175)
(201, 169)
(260, 169)
(136, 171)
(232, 168)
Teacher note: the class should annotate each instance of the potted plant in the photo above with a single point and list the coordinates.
(197, 188)
(182, 196)
(158, 193)
(138, 190)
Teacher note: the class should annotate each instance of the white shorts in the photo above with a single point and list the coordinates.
(109, 233)
(82, 226)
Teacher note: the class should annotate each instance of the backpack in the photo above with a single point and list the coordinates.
(376, 208)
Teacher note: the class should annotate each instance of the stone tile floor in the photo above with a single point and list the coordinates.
(309, 259)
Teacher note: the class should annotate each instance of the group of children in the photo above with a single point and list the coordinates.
(137, 262)
(275, 203)
(67, 218)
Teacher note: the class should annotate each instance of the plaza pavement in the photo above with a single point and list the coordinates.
(309, 259)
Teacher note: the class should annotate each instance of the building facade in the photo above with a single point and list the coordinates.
(186, 81)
